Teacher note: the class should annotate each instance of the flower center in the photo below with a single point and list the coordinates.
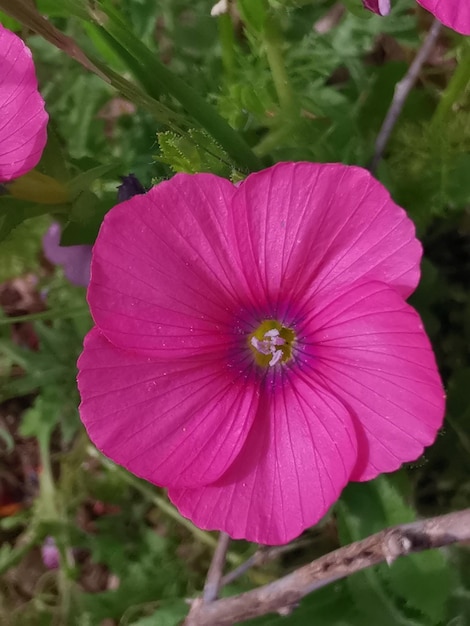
(271, 343)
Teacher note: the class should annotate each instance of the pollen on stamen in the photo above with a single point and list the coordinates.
(271, 343)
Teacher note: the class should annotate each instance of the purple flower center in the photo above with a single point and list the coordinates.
(271, 343)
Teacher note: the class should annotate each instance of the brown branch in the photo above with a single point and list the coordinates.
(214, 575)
(402, 89)
(263, 555)
(286, 592)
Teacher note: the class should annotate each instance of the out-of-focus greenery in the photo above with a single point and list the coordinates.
(271, 85)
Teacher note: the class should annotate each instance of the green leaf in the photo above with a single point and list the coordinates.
(196, 153)
(9, 22)
(356, 7)
(83, 181)
(19, 252)
(137, 559)
(253, 13)
(415, 585)
(8, 439)
(86, 217)
(330, 606)
(170, 614)
(424, 580)
(40, 420)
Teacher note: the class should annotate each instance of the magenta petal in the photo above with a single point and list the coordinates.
(453, 13)
(305, 227)
(369, 346)
(23, 120)
(185, 282)
(382, 7)
(173, 423)
(163, 278)
(296, 460)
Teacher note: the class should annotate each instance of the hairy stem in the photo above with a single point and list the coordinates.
(456, 87)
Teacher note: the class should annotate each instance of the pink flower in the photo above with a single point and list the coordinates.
(23, 120)
(253, 350)
(452, 13)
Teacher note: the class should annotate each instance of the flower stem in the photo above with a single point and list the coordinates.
(273, 45)
(456, 87)
(48, 512)
(227, 45)
(46, 315)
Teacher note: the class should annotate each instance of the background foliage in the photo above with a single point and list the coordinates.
(179, 90)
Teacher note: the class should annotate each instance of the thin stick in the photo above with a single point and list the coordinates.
(260, 557)
(214, 575)
(286, 592)
(402, 90)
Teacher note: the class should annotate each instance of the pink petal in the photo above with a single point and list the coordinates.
(23, 120)
(382, 7)
(369, 346)
(163, 279)
(453, 13)
(296, 460)
(305, 227)
(177, 423)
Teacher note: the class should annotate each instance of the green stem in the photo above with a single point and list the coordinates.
(273, 45)
(272, 140)
(45, 315)
(49, 512)
(456, 87)
(227, 44)
(46, 482)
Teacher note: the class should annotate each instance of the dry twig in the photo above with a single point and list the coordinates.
(402, 89)
(263, 555)
(214, 575)
(286, 592)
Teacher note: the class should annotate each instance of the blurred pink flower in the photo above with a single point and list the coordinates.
(23, 119)
(382, 7)
(74, 259)
(50, 553)
(452, 13)
(253, 350)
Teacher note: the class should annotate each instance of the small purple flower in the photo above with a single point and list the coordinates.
(50, 553)
(74, 259)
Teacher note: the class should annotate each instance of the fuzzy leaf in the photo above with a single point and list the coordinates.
(416, 585)
(196, 153)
